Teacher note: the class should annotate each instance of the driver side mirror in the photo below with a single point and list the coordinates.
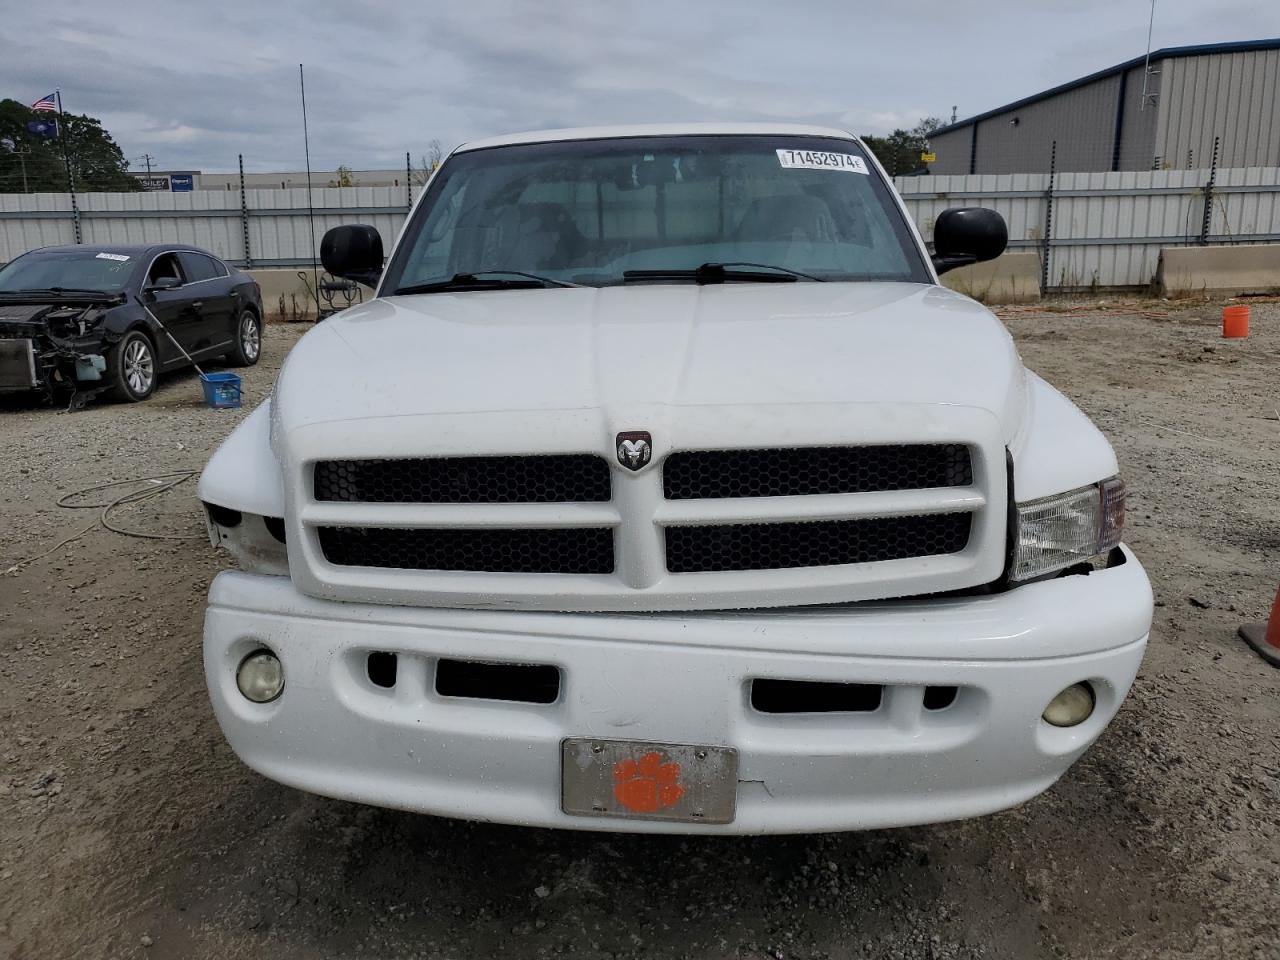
(353, 251)
(163, 283)
(965, 235)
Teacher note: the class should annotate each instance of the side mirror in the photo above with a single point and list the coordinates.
(163, 283)
(966, 235)
(353, 251)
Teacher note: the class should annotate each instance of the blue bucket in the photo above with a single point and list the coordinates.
(221, 390)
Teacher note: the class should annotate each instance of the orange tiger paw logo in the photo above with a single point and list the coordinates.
(647, 785)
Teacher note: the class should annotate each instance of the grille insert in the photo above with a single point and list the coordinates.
(809, 471)
(571, 550)
(556, 478)
(819, 543)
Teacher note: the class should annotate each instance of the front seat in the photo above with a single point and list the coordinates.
(799, 217)
(538, 236)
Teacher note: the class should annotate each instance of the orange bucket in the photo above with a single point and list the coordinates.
(1235, 321)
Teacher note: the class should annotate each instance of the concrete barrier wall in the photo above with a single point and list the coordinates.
(1218, 271)
(1011, 278)
(285, 282)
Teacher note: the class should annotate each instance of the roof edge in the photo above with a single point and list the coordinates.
(1165, 53)
(657, 130)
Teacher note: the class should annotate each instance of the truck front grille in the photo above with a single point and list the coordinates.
(809, 471)
(779, 546)
(557, 478)
(769, 525)
(573, 550)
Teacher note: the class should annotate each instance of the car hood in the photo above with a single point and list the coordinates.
(652, 347)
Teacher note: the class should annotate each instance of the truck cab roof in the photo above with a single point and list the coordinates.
(657, 130)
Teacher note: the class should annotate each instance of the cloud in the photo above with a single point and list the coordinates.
(197, 85)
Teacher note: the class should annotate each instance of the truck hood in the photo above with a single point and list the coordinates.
(652, 347)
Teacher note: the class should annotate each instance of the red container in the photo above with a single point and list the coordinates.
(1235, 321)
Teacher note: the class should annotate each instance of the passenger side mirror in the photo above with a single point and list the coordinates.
(965, 235)
(163, 283)
(353, 251)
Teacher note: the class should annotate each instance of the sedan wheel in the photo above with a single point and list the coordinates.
(134, 367)
(248, 340)
(139, 366)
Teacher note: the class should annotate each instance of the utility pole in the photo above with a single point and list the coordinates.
(62, 130)
(148, 159)
(22, 152)
(953, 113)
(311, 210)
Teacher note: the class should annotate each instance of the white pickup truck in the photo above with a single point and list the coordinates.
(663, 488)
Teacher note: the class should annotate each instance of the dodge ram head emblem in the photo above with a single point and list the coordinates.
(635, 448)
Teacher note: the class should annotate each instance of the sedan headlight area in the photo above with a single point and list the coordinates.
(256, 542)
(1068, 528)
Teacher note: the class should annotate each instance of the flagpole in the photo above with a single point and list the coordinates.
(66, 162)
(311, 210)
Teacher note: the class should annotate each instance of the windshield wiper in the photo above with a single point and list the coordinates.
(724, 272)
(486, 280)
(58, 291)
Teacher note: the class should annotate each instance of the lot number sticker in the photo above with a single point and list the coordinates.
(113, 256)
(819, 160)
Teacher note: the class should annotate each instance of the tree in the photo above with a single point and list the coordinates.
(900, 151)
(96, 160)
(427, 166)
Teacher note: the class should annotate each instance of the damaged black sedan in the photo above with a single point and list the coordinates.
(89, 319)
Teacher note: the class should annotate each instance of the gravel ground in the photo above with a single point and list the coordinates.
(128, 829)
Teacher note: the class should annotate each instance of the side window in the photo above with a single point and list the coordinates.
(165, 266)
(196, 266)
(219, 268)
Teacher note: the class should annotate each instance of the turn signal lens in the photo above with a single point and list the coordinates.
(1071, 707)
(260, 676)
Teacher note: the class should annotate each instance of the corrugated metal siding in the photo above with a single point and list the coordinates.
(1137, 140)
(1108, 228)
(1082, 121)
(1239, 211)
(279, 228)
(1233, 96)
(952, 150)
(1019, 197)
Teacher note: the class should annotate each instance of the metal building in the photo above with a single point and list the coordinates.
(1133, 117)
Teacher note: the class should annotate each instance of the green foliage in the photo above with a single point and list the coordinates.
(96, 161)
(899, 152)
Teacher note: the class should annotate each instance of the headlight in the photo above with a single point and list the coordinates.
(256, 542)
(1067, 528)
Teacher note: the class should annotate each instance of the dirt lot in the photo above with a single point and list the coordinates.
(128, 829)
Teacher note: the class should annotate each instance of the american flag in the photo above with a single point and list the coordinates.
(49, 103)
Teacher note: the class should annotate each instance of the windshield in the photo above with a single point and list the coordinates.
(86, 269)
(589, 211)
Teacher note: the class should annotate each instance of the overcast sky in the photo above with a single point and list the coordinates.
(195, 84)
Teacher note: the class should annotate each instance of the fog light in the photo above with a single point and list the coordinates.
(260, 676)
(1071, 707)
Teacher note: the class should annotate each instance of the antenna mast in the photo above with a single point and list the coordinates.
(1146, 68)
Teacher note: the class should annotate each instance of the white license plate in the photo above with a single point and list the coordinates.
(639, 780)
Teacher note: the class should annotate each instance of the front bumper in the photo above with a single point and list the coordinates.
(684, 678)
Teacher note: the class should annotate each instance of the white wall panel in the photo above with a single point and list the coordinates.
(1108, 228)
